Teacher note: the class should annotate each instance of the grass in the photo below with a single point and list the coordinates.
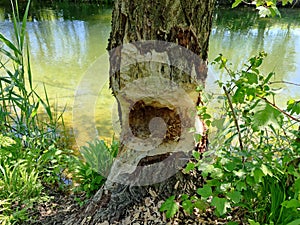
(252, 166)
(29, 157)
(20, 103)
(32, 162)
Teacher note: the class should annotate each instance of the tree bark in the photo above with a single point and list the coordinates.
(158, 55)
(140, 72)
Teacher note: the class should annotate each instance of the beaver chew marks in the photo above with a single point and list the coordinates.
(154, 121)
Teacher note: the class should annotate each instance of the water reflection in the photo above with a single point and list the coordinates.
(62, 49)
(65, 40)
(239, 34)
(60, 41)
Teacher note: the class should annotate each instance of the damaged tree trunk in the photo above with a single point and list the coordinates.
(158, 55)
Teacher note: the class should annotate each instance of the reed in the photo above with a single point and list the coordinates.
(28, 126)
(23, 111)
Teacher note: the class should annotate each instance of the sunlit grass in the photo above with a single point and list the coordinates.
(21, 105)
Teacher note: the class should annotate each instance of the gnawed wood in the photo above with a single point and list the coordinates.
(153, 82)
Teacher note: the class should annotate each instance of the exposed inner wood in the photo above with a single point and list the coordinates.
(187, 24)
(144, 121)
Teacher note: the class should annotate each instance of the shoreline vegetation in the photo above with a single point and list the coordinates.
(223, 3)
(251, 168)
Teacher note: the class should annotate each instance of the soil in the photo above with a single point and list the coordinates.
(62, 206)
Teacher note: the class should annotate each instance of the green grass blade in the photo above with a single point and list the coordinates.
(24, 22)
(47, 105)
(10, 56)
(10, 45)
(29, 68)
(15, 22)
(5, 80)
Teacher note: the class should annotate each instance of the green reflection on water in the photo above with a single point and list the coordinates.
(66, 39)
(239, 34)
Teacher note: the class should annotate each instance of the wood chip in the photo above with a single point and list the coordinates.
(148, 202)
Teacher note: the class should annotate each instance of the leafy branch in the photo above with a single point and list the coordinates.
(259, 177)
(234, 118)
(265, 8)
(277, 108)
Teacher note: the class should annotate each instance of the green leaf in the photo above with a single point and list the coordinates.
(222, 61)
(200, 204)
(258, 175)
(235, 196)
(217, 173)
(232, 223)
(241, 185)
(284, 2)
(293, 203)
(197, 137)
(218, 123)
(274, 11)
(188, 206)
(230, 166)
(184, 197)
(266, 171)
(270, 75)
(205, 191)
(206, 116)
(240, 173)
(256, 61)
(190, 166)
(239, 95)
(58, 152)
(221, 205)
(295, 222)
(88, 172)
(263, 11)
(196, 155)
(293, 106)
(251, 77)
(6, 141)
(199, 88)
(9, 44)
(170, 206)
(23, 29)
(297, 186)
(252, 222)
(265, 115)
(207, 169)
(236, 3)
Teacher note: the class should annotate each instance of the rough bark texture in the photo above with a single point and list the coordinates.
(184, 23)
(153, 83)
(187, 23)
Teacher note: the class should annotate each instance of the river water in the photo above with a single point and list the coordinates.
(65, 40)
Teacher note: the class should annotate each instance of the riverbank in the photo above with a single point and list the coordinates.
(225, 3)
(296, 3)
(66, 39)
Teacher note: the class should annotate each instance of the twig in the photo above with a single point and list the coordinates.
(227, 70)
(234, 118)
(280, 110)
(284, 82)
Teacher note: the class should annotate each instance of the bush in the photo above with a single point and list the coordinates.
(29, 158)
(252, 167)
(90, 172)
(24, 174)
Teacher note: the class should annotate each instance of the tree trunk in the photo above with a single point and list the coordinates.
(153, 81)
(158, 55)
